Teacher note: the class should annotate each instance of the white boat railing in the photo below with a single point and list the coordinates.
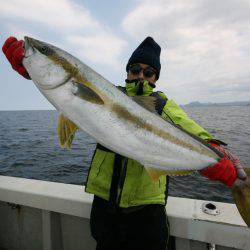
(47, 215)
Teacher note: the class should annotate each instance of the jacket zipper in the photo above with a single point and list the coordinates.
(122, 180)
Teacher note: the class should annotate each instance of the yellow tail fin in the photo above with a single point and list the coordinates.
(241, 194)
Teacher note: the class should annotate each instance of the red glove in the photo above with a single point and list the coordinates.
(14, 51)
(226, 170)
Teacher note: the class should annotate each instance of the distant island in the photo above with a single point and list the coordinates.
(210, 104)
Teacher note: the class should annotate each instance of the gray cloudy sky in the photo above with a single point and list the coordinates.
(205, 43)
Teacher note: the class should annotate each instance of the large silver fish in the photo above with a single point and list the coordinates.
(115, 120)
(128, 126)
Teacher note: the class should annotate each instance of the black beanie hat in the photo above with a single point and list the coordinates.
(147, 52)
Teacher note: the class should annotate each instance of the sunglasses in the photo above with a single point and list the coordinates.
(135, 69)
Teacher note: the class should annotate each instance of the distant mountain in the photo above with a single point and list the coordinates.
(199, 104)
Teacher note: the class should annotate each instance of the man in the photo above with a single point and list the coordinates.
(128, 210)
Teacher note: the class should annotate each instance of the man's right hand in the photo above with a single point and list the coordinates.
(227, 170)
(14, 51)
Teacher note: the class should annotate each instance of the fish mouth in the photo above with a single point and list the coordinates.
(29, 49)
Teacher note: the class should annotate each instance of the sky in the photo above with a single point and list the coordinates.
(205, 44)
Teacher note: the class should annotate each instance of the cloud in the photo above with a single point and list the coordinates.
(101, 47)
(202, 42)
(19, 31)
(66, 24)
(64, 14)
(205, 44)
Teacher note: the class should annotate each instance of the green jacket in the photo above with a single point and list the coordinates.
(135, 186)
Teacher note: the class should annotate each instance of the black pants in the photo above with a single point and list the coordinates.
(142, 229)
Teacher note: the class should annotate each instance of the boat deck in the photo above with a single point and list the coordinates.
(54, 216)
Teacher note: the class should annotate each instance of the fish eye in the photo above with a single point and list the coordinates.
(46, 50)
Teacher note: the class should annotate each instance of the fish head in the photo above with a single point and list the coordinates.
(44, 64)
(50, 68)
(241, 195)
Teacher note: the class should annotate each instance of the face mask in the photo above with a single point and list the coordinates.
(137, 87)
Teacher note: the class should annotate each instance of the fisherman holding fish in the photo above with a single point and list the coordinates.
(128, 210)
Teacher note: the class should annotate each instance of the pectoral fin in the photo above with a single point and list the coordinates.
(155, 174)
(66, 131)
(84, 92)
(148, 102)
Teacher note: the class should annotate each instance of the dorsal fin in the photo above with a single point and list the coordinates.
(148, 102)
(66, 131)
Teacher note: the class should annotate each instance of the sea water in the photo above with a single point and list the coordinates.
(29, 148)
